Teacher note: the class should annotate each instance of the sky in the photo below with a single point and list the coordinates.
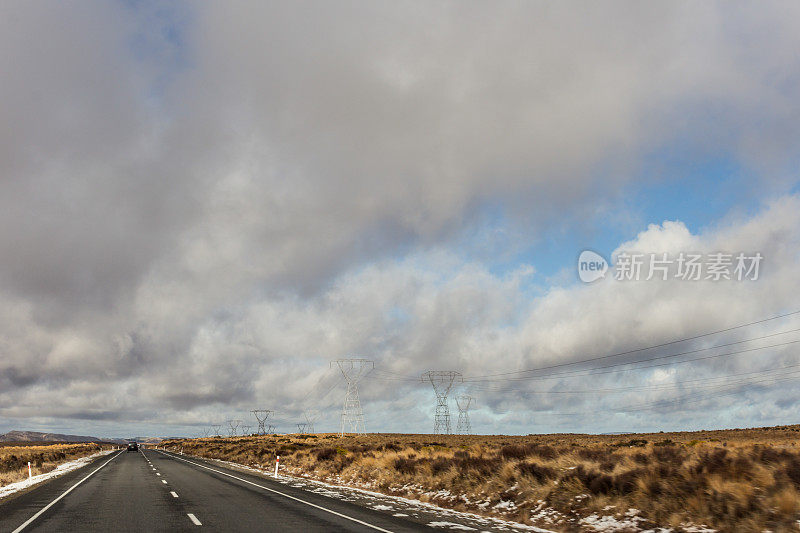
(202, 205)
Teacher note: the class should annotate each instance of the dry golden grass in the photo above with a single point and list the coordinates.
(732, 480)
(44, 458)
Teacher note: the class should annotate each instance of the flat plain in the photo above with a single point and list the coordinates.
(726, 480)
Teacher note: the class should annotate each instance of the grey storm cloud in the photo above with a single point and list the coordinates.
(202, 204)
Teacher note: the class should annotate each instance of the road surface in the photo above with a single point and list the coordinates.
(154, 491)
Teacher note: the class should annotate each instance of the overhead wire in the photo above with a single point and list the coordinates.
(660, 345)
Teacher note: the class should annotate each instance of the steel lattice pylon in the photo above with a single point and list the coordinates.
(352, 415)
(216, 428)
(464, 402)
(301, 428)
(262, 415)
(233, 425)
(312, 415)
(246, 429)
(442, 381)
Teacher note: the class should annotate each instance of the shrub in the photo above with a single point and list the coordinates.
(326, 454)
(440, 464)
(792, 471)
(513, 451)
(405, 465)
(771, 455)
(477, 465)
(600, 484)
(633, 443)
(669, 454)
(641, 458)
(625, 483)
(607, 466)
(713, 462)
(593, 454)
(543, 451)
(538, 472)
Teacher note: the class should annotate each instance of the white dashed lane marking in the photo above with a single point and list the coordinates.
(371, 526)
(174, 494)
(194, 519)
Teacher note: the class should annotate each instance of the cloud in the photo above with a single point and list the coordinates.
(200, 206)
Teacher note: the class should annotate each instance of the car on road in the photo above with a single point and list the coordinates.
(133, 447)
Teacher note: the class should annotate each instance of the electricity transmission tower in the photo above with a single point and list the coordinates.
(216, 429)
(233, 425)
(352, 415)
(262, 415)
(270, 429)
(246, 429)
(301, 428)
(442, 381)
(464, 403)
(312, 415)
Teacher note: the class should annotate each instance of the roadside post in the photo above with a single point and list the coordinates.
(277, 460)
(30, 474)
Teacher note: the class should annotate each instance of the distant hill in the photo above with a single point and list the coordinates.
(35, 436)
(148, 440)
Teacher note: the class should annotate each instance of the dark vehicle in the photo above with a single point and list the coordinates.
(133, 447)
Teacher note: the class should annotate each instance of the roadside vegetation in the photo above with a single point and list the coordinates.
(44, 458)
(733, 480)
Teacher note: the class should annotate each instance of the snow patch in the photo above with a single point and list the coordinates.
(60, 470)
(451, 525)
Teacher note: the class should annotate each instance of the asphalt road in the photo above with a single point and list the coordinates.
(154, 491)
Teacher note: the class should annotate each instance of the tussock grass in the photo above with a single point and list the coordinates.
(732, 480)
(44, 458)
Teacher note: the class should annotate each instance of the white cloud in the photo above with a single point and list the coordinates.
(190, 224)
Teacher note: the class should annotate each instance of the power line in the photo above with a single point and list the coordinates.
(661, 345)
(316, 385)
(385, 375)
(665, 386)
(603, 369)
(660, 403)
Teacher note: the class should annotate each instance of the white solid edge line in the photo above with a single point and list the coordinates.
(49, 505)
(174, 494)
(282, 494)
(194, 519)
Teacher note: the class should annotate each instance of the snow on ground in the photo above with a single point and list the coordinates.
(451, 525)
(693, 528)
(610, 523)
(421, 512)
(433, 515)
(60, 470)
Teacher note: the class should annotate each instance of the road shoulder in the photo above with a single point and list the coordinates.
(19, 506)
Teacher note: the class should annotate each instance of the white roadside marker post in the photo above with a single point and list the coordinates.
(30, 474)
(277, 460)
